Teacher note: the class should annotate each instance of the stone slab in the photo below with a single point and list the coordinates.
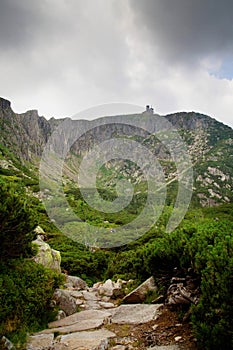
(135, 313)
(80, 316)
(76, 327)
(87, 340)
(39, 341)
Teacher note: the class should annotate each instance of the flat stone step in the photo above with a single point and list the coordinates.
(86, 340)
(81, 316)
(38, 341)
(135, 313)
(83, 325)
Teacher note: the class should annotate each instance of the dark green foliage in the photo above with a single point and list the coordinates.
(26, 289)
(78, 260)
(212, 317)
(204, 242)
(17, 221)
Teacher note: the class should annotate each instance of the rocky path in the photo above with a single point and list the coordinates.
(101, 324)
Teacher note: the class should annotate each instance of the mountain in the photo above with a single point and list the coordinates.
(209, 143)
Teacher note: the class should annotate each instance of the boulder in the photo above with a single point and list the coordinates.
(76, 283)
(111, 289)
(47, 256)
(138, 295)
(65, 301)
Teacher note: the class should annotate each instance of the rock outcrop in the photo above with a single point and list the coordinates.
(45, 255)
(139, 294)
(209, 144)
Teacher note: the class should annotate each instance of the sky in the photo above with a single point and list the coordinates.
(65, 56)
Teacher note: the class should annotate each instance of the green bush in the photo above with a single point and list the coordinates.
(17, 221)
(212, 317)
(26, 289)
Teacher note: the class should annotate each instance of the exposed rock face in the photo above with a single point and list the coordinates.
(209, 144)
(47, 256)
(138, 295)
(4, 104)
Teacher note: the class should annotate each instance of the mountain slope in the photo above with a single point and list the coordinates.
(209, 143)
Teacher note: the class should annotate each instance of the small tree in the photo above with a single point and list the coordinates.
(17, 222)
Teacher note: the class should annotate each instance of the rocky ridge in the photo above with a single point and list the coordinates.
(209, 143)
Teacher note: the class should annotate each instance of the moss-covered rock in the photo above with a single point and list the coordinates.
(47, 256)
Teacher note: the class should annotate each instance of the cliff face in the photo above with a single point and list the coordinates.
(24, 134)
(209, 143)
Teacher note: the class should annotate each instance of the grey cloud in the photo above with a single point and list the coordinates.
(62, 56)
(187, 29)
(72, 46)
(18, 20)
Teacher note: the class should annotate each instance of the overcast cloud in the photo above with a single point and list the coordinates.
(63, 56)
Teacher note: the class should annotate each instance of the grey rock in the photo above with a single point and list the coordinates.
(80, 316)
(40, 341)
(135, 314)
(106, 305)
(87, 340)
(47, 256)
(82, 325)
(138, 295)
(92, 304)
(76, 294)
(65, 301)
(91, 296)
(76, 282)
(111, 289)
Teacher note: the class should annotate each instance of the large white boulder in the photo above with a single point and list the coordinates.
(47, 256)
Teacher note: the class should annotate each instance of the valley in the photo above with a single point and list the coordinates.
(98, 244)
